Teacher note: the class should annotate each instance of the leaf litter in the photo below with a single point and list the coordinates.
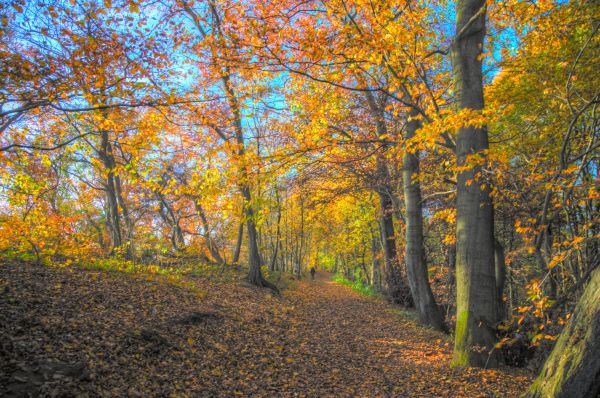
(81, 333)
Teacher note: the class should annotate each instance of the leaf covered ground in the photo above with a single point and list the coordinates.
(74, 332)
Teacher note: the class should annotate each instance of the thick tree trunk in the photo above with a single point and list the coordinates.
(475, 280)
(416, 267)
(573, 367)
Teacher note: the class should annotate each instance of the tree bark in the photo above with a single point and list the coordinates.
(126, 217)
(573, 367)
(500, 271)
(112, 206)
(397, 289)
(169, 216)
(416, 267)
(238, 244)
(475, 279)
(212, 247)
(277, 235)
(376, 263)
(451, 262)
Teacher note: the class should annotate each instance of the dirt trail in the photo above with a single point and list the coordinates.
(141, 338)
(369, 348)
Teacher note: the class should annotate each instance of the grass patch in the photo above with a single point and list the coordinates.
(404, 313)
(174, 275)
(357, 286)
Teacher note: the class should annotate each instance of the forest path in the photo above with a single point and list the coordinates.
(361, 346)
(140, 336)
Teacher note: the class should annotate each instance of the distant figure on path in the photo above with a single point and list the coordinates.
(313, 271)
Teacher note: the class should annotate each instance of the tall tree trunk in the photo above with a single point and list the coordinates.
(451, 262)
(416, 267)
(397, 288)
(475, 280)
(335, 264)
(376, 263)
(126, 217)
(255, 276)
(113, 221)
(300, 257)
(573, 367)
(500, 271)
(552, 282)
(238, 244)
(277, 233)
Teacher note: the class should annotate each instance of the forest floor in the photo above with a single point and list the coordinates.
(73, 332)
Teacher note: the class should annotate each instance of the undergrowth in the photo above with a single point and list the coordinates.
(173, 275)
(282, 280)
(357, 286)
(185, 273)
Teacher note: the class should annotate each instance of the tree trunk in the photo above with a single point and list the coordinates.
(451, 262)
(397, 288)
(212, 247)
(255, 276)
(238, 244)
(416, 267)
(500, 264)
(126, 217)
(112, 206)
(167, 214)
(573, 367)
(300, 251)
(277, 235)
(475, 280)
(376, 264)
(112, 216)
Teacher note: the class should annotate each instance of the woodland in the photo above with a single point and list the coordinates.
(173, 173)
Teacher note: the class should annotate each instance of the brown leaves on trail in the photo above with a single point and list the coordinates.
(130, 337)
